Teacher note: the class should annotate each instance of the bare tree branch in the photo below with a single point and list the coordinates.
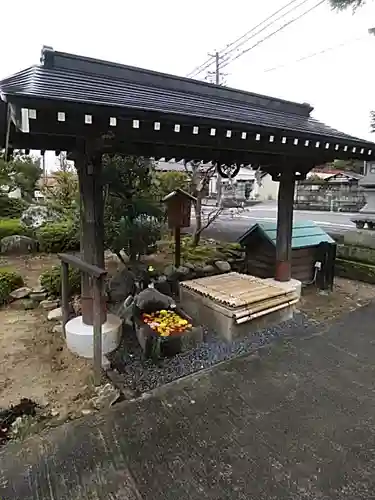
(211, 217)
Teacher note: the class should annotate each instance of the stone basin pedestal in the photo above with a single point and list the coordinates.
(234, 305)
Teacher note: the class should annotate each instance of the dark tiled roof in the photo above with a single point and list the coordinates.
(67, 77)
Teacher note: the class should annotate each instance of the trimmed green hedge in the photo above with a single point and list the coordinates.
(53, 237)
(50, 280)
(11, 207)
(9, 281)
(10, 227)
(58, 237)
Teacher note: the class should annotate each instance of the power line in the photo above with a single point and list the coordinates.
(244, 38)
(323, 51)
(242, 42)
(264, 21)
(230, 60)
(199, 69)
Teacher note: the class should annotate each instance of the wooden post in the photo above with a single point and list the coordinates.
(92, 226)
(326, 255)
(178, 213)
(97, 320)
(97, 276)
(177, 246)
(285, 226)
(64, 293)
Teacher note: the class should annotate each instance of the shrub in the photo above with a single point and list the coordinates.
(12, 207)
(50, 280)
(58, 237)
(206, 252)
(9, 281)
(136, 236)
(10, 227)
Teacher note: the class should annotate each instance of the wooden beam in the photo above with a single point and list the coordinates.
(83, 266)
(285, 225)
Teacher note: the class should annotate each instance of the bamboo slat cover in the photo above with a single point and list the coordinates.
(264, 305)
(235, 290)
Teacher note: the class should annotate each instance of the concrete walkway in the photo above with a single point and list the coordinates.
(295, 422)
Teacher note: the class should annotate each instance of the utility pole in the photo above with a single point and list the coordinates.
(217, 68)
(219, 183)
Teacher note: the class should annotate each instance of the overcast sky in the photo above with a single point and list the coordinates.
(175, 37)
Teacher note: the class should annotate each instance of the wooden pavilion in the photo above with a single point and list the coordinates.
(90, 107)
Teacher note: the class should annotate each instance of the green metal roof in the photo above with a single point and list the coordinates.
(305, 234)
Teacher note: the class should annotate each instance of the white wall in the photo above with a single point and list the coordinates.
(267, 190)
(245, 174)
(264, 190)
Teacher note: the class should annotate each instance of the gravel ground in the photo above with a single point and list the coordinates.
(141, 375)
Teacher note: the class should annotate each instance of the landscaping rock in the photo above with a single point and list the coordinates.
(29, 304)
(170, 270)
(48, 304)
(36, 216)
(107, 396)
(18, 245)
(57, 329)
(38, 296)
(20, 293)
(223, 266)
(124, 310)
(121, 286)
(23, 304)
(55, 314)
(14, 415)
(162, 285)
(208, 270)
(183, 271)
(199, 272)
(111, 257)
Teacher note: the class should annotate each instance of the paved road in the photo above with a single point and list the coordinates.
(231, 226)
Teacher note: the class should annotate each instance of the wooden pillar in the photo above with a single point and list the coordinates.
(89, 170)
(285, 226)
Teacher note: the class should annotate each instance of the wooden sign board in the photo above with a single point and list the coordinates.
(178, 208)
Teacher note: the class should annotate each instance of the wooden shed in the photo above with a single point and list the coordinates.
(260, 244)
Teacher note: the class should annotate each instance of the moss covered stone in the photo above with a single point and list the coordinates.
(356, 253)
(359, 271)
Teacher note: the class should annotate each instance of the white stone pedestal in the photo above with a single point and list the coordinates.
(80, 337)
